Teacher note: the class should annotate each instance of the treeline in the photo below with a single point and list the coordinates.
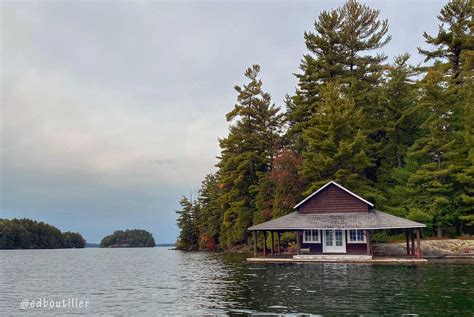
(397, 134)
(134, 238)
(30, 234)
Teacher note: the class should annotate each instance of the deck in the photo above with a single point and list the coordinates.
(339, 258)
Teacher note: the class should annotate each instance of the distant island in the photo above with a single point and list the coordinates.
(31, 234)
(166, 244)
(135, 238)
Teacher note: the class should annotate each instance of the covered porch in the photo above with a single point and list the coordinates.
(333, 235)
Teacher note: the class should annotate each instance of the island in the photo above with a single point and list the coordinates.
(135, 238)
(31, 234)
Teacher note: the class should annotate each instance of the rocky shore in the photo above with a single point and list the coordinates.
(441, 247)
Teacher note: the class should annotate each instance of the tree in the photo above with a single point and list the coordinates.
(337, 144)
(338, 51)
(401, 128)
(439, 153)
(73, 240)
(282, 187)
(399, 98)
(246, 155)
(466, 176)
(454, 41)
(210, 213)
(189, 233)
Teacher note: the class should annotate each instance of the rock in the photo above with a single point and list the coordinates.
(428, 247)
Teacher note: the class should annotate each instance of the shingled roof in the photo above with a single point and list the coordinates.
(374, 219)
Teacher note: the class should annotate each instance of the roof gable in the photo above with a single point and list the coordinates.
(337, 185)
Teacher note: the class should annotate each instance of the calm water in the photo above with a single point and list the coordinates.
(159, 281)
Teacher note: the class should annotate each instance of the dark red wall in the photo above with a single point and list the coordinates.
(314, 248)
(332, 199)
(356, 248)
(351, 248)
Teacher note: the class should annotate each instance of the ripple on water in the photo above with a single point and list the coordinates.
(150, 281)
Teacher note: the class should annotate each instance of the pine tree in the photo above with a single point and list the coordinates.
(401, 128)
(466, 176)
(338, 51)
(246, 155)
(210, 213)
(189, 234)
(337, 145)
(398, 100)
(454, 41)
(439, 153)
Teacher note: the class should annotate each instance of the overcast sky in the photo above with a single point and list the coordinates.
(110, 111)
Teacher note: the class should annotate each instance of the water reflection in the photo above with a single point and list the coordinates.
(159, 281)
(334, 289)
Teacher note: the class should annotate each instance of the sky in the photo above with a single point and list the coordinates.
(111, 111)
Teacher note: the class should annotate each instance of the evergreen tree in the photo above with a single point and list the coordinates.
(246, 155)
(439, 153)
(401, 128)
(398, 100)
(337, 145)
(466, 176)
(189, 234)
(454, 42)
(338, 51)
(210, 213)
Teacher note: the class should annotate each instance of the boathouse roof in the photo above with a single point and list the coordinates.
(371, 220)
(334, 207)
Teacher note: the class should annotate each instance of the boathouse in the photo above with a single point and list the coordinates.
(334, 221)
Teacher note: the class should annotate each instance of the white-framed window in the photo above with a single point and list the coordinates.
(311, 236)
(357, 236)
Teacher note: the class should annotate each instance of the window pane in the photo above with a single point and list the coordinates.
(352, 235)
(315, 235)
(339, 241)
(307, 235)
(360, 235)
(329, 238)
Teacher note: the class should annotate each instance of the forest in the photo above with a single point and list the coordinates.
(135, 238)
(397, 134)
(31, 234)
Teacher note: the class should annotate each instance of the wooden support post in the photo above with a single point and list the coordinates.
(412, 243)
(272, 252)
(418, 244)
(255, 246)
(279, 242)
(368, 237)
(264, 243)
(298, 244)
(408, 241)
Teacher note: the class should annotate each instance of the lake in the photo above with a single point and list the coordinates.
(160, 281)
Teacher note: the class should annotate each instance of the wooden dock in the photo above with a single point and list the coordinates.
(339, 259)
